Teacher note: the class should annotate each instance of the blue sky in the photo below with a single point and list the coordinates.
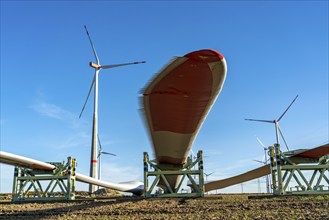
(274, 51)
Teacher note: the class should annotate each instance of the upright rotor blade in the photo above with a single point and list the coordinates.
(92, 46)
(283, 138)
(261, 143)
(268, 121)
(259, 161)
(91, 87)
(288, 108)
(118, 65)
(100, 145)
(192, 152)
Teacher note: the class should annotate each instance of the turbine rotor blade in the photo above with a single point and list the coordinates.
(261, 143)
(288, 108)
(91, 87)
(259, 161)
(267, 121)
(118, 65)
(100, 148)
(100, 145)
(283, 138)
(92, 46)
(208, 174)
(109, 153)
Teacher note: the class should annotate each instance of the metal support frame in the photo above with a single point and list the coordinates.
(284, 171)
(41, 185)
(186, 170)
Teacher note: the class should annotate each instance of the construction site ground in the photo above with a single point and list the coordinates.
(223, 206)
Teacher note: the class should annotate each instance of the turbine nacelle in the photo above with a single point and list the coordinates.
(98, 66)
(94, 65)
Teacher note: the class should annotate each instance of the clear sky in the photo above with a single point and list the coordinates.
(274, 51)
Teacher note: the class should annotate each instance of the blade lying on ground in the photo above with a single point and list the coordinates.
(253, 174)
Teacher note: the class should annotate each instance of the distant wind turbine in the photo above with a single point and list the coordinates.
(207, 174)
(99, 156)
(276, 123)
(265, 163)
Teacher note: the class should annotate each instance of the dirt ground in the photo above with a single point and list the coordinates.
(209, 207)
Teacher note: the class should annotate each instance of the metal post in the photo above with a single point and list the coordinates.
(146, 160)
(267, 178)
(17, 172)
(273, 169)
(200, 166)
(278, 168)
(70, 192)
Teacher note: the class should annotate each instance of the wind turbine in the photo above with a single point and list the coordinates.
(265, 163)
(94, 85)
(207, 174)
(192, 155)
(276, 123)
(100, 152)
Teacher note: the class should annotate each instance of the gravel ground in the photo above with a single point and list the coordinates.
(209, 207)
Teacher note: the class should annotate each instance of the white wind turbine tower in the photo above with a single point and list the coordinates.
(97, 66)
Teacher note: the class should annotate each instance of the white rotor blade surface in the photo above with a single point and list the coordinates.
(118, 65)
(92, 46)
(91, 87)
